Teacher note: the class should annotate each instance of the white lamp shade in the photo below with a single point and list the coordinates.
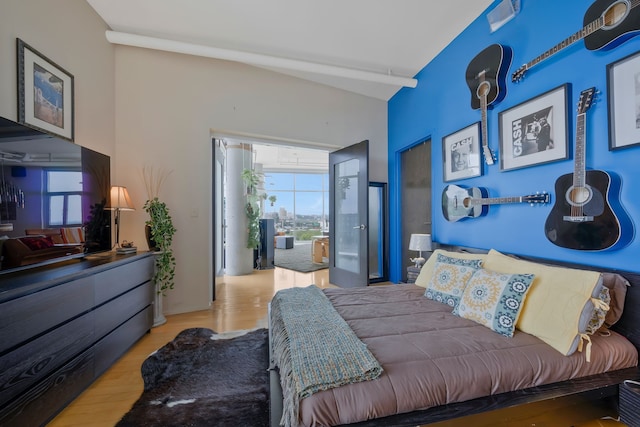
(120, 199)
(420, 242)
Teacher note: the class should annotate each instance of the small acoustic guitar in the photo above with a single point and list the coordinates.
(462, 203)
(486, 75)
(582, 217)
(606, 24)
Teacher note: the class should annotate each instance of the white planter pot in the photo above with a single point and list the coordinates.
(158, 316)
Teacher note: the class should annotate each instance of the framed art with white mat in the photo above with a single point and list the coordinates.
(45, 93)
(535, 131)
(461, 154)
(623, 86)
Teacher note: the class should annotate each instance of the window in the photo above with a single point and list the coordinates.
(63, 199)
(302, 203)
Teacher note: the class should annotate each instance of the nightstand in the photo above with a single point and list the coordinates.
(412, 274)
(629, 402)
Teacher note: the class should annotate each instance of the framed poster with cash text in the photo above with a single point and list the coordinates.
(535, 131)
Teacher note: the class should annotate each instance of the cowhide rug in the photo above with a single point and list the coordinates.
(204, 379)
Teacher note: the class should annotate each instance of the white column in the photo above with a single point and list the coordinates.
(239, 258)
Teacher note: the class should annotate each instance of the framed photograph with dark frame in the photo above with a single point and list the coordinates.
(461, 153)
(45, 93)
(623, 86)
(535, 131)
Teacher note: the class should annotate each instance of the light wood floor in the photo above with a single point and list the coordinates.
(241, 303)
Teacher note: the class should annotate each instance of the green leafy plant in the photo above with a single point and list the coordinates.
(272, 199)
(252, 207)
(161, 231)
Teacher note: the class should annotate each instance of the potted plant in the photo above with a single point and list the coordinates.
(252, 207)
(160, 231)
(272, 199)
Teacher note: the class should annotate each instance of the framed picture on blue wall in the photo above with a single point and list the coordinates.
(535, 131)
(461, 154)
(45, 93)
(623, 86)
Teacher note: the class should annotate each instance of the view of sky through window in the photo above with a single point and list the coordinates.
(302, 202)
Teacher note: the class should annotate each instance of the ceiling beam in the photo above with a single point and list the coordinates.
(257, 59)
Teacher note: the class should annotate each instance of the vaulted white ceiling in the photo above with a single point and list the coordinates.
(364, 42)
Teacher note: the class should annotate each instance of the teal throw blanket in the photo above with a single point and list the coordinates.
(314, 348)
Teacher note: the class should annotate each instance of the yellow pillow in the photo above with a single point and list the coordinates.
(426, 272)
(559, 305)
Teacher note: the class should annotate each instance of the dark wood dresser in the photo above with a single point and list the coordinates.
(62, 326)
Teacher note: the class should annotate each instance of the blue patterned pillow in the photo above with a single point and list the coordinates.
(450, 276)
(494, 299)
(602, 304)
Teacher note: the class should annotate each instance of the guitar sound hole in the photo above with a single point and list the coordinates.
(615, 14)
(578, 196)
(483, 89)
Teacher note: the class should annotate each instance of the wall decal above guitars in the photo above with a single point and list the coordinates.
(461, 203)
(582, 217)
(486, 75)
(606, 24)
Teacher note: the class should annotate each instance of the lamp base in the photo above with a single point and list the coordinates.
(419, 261)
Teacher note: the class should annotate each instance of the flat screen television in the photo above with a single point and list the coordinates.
(53, 195)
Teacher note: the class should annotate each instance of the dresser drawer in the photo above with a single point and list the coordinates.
(25, 366)
(41, 403)
(114, 345)
(112, 314)
(113, 282)
(23, 318)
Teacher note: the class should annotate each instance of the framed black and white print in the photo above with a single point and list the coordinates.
(535, 131)
(45, 93)
(623, 86)
(461, 154)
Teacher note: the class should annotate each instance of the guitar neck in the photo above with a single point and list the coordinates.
(495, 200)
(483, 108)
(486, 151)
(584, 32)
(579, 169)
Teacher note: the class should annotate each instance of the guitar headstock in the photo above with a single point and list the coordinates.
(518, 75)
(538, 198)
(587, 97)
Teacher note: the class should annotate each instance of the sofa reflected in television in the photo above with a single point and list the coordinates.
(41, 245)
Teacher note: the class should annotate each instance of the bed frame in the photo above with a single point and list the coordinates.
(567, 402)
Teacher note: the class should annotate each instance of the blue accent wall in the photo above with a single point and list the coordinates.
(440, 105)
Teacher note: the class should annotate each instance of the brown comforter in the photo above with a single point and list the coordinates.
(431, 357)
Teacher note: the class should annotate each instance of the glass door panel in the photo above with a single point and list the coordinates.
(347, 221)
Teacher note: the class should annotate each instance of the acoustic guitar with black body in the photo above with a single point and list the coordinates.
(486, 77)
(582, 217)
(606, 24)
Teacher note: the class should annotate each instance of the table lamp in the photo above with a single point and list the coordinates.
(419, 242)
(120, 201)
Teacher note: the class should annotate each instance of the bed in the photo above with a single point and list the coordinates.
(542, 378)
